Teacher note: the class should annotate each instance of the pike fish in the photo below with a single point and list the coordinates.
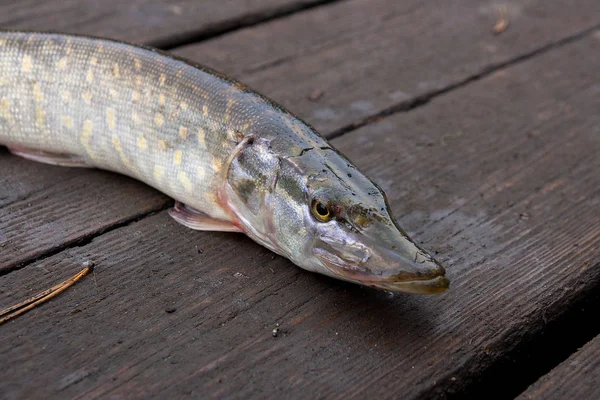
(232, 159)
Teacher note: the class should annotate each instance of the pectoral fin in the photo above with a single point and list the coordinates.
(197, 220)
(64, 160)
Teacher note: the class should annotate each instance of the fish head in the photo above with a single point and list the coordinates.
(330, 218)
(321, 212)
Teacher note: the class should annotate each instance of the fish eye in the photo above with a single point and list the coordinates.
(321, 211)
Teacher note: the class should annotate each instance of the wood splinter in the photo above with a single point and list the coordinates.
(24, 306)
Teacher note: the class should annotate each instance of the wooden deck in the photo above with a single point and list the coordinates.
(486, 143)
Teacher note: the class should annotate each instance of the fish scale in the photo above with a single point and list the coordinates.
(231, 158)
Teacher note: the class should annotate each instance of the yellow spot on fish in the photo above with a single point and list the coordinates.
(216, 164)
(113, 93)
(142, 144)
(159, 119)
(2, 42)
(65, 95)
(185, 181)
(228, 109)
(135, 96)
(100, 48)
(158, 172)
(201, 137)
(86, 132)
(138, 80)
(87, 97)
(67, 122)
(38, 96)
(200, 172)
(138, 64)
(86, 135)
(111, 118)
(94, 61)
(27, 63)
(3, 80)
(205, 110)
(183, 105)
(162, 79)
(136, 118)
(37, 93)
(177, 155)
(62, 63)
(161, 99)
(162, 144)
(117, 145)
(89, 77)
(40, 116)
(5, 109)
(116, 70)
(183, 132)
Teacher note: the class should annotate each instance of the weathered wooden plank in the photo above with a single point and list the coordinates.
(160, 23)
(69, 211)
(365, 56)
(576, 378)
(352, 58)
(499, 178)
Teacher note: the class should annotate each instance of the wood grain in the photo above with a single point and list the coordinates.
(578, 377)
(498, 178)
(366, 56)
(159, 23)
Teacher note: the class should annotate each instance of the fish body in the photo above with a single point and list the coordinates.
(231, 158)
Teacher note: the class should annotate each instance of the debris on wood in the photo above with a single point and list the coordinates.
(502, 22)
(24, 306)
(315, 95)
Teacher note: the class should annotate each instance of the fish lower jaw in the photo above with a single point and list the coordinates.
(434, 285)
(419, 285)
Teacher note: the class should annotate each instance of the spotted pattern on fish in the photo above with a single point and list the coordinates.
(208, 141)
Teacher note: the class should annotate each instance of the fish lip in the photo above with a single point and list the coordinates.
(433, 285)
(400, 282)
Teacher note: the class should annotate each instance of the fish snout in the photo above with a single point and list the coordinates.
(404, 268)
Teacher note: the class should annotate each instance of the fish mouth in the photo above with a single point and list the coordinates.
(419, 286)
(424, 276)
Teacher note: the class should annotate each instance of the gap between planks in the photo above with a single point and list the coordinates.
(228, 26)
(533, 355)
(88, 238)
(419, 101)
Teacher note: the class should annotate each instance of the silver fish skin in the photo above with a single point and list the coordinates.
(231, 158)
